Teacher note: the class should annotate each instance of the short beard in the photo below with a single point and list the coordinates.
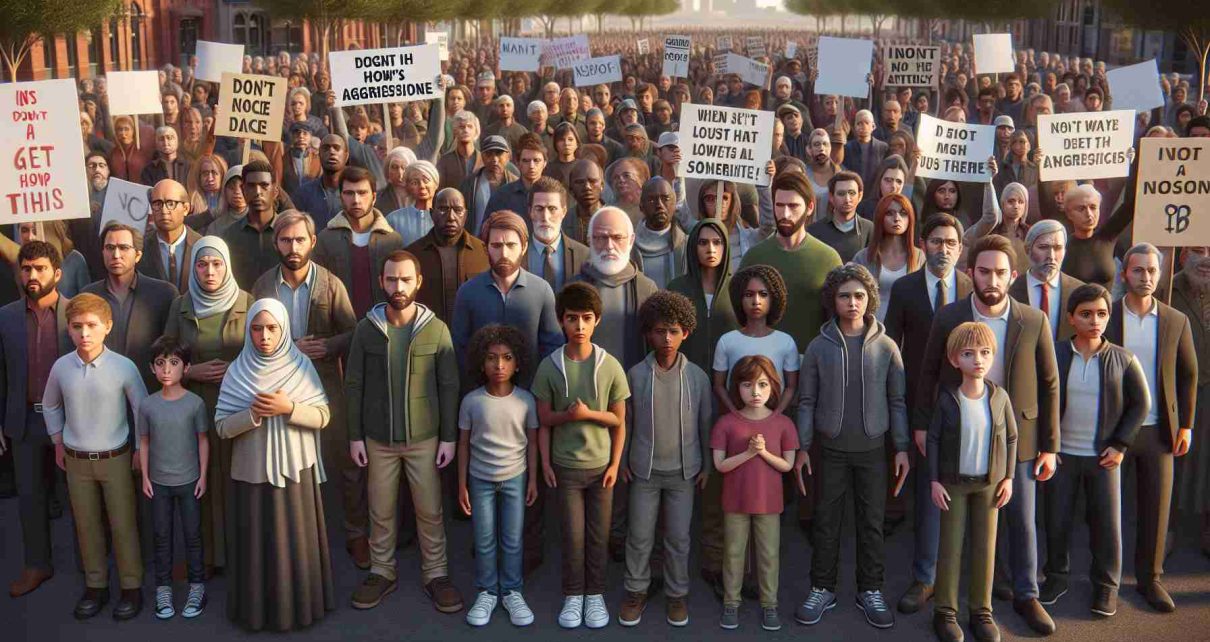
(609, 267)
(788, 231)
(546, 233)
(399, 301)
(43, 290)
(939, 262)
(505, 268)
(983, 298)
(295, 261)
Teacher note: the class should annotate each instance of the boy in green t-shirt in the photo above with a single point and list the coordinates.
(581, 392)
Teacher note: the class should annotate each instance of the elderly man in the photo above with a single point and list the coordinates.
(1045, 286)
(864, 153)
(479, 187)
(659, 245)
(167, 162)
(504, 124)
(463, 160)
(168, 253)
(537, 117)
(448, 255)
(1090, 250)
(553, 255)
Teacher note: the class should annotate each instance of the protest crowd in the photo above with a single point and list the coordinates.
(665, 307)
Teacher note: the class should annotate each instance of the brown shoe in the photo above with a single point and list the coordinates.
(632, 608)
(359, 550)
(444, 594)
(31, 579)
(372, 590)
(678, 611)
(1035, 616)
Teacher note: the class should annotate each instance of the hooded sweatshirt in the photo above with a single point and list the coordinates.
(714, 318)
(663, 253)
(621, 296)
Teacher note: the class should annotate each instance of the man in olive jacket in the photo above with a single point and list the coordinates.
(401, 387)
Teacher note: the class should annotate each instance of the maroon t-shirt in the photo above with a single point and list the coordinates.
(754, 487)
(361, 296)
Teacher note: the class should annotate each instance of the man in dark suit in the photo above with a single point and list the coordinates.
(914, 300)
(864, 153)
(1025, 366)
(168, 254)
(33, 335)
(553, 255)
(1045, 287)
(1162, 340)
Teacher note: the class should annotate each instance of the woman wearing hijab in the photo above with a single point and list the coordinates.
(271, 408)
(209, 318)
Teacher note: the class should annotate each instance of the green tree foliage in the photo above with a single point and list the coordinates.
(324, 14)
(1189, 21)
(25, 21)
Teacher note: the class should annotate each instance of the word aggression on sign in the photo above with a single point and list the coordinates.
(910, 66)
(251, 106)
(725, 143)
(375, 76)
(1173, 194)
(40, 132)
(954, 151)
(1085, 145)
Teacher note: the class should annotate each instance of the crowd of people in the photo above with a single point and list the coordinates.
(507, 297)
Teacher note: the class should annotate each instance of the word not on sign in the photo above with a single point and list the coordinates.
(1085, 145)
(251, 106)
(1173, 196)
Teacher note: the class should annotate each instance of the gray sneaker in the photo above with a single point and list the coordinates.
(769, 620)
(730, 617)
(876, 612)
(195, 604)
(811, 611)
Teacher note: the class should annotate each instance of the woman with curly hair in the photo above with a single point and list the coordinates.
(758, 296)
(891, 254)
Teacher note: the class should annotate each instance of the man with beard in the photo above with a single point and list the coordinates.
(1025, 367)
(844, 231)
(479, 187)
(587, 184)
(1191, 297)
(915, 299)
(86, 232)
(167, 254)
(510, 295)
(449, 256)
(531, 160)
(1162, 339)
(402, 389)
(322, 322)
(1045, 287)
(820, 166)
(659, 245)
(251, 240)
(167, 162)
(552, 255)
(321, 198)
(33, 334)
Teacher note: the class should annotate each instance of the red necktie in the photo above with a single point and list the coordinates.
(1044, 300)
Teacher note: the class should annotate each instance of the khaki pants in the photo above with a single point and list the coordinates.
(419, 462)
(98, 488)
(972, 513)
(766, 532)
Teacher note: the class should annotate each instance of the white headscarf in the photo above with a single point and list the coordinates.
(289, 450)
(207, 304)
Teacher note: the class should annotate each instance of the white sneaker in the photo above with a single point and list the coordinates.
(481, 612)
(596, 616)
(518, 611)
(572, 615)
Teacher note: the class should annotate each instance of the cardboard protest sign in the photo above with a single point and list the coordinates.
(994, 53)
(676, 56)
(791, 49)
(755, 46)
(442, 40)
(911, 66)
(844, 64)
(375, 76)
(1085, 145)
(644, 47)
(251, 106)
(127, 203)
(562, 53)
(215, 58)
(1136, 87)
(520, 54)
(596, 71)
(40, 133)
(133, 92)
(954, 151)
(723, 43)
(1172, 202)
(724, 143)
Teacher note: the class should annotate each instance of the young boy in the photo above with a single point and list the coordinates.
(581, 392)
(173, 452)
(88, 396)
(972, 448)
(668, 453)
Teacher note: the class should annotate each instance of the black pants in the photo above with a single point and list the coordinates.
(162, 501)
(865, 476)
(32, 458)
(1103, 513)
(1150, 462)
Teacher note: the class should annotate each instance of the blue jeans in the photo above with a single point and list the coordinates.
(162, 501)
(928, 526)
(1022, 540)
(498, 517)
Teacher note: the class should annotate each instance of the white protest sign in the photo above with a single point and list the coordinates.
(755, 46)
(994, 53)
(750, 71)
(251, 106)
(562, 53)
(40, 132)
(442, 40)
(911, 66)
(844, 64)
(644, 47)
(1172, 202)
(375, 76)
(723, 143)
(1085, 145)
(596, 71)
(676, 56)
(1136, 86)
(723, 43)
(133, 92)
(127, 203)
(214, 58)
(791, 49)
(954, 151)
(520, 54)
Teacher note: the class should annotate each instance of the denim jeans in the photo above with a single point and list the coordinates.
(498, 517)
(162, 500)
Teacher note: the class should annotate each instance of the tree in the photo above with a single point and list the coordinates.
(1190, 23)
(818, 9)
(636, 10)
(551, 10)
(25, 21)
(324, 14)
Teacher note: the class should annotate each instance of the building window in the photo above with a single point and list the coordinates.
(73, 52)
(115, 54)
(136, 35)
(94, 51)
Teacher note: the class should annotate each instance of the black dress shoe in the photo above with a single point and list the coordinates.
(91, 603)
(129, 605)
(945, 625)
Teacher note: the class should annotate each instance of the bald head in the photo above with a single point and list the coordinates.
(612, 236)
(169, 207)
(657, 203)
(587, 181)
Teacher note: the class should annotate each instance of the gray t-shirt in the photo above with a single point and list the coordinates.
(666, 388)
(173, 427)
(497, 426)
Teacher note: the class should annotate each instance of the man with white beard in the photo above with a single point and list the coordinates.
(553, 255)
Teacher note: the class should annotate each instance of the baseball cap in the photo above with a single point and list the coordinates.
(495, 144)
(1004, 120)
(669, 138)
(628, 104)
(486, 78)
(300, 124)
(787, 108)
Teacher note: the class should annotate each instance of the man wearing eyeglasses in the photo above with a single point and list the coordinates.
(449, 256)
(167, 253)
